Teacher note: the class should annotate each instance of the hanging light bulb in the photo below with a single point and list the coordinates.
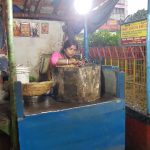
(83, 6)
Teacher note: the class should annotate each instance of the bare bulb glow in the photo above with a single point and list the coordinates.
(83, 6)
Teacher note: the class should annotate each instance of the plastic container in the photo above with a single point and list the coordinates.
(22, 74)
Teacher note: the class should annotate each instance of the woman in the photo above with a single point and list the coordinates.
(66, 55)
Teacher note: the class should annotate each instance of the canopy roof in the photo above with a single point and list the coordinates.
(48, 9)
(63, 10)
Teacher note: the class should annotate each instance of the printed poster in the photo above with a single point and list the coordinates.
(44, 28)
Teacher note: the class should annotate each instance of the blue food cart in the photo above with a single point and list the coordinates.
(63, 126)
(53, 125)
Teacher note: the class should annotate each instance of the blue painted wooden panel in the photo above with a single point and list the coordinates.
(94, 127)
(120, 85)
(19, 100)
(1, 33)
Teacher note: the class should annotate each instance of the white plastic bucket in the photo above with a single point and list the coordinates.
(22, 74)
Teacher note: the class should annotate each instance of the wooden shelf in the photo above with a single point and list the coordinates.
(4, 118)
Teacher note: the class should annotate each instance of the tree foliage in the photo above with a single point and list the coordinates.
(139, 15)
(104, 38)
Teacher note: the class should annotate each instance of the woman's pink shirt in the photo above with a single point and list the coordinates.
(55, 57)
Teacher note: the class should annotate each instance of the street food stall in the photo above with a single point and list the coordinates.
(45, 123)
(90, 116)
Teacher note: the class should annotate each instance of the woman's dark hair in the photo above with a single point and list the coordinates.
(68, 43)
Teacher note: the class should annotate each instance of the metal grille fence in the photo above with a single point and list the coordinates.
(131, 60)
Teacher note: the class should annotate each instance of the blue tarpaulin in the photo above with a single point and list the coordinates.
(95, 19)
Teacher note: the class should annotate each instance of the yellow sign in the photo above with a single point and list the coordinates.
(133, 32)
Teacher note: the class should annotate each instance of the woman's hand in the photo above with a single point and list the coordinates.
(81, 62)
(72, 61)
(76, 62)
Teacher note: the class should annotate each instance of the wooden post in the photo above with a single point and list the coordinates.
(12, 74)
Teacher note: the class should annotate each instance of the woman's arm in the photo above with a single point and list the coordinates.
(66, 61)
(58, 60)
